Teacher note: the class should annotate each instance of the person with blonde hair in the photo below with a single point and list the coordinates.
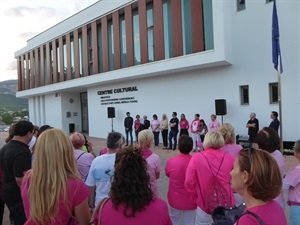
(52, 191)
(228, 134)
(145, 140)
(256, 176)
(84, 159)
(212, 163)
(163, 126)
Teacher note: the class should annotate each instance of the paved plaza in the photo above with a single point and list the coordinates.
(99, 143)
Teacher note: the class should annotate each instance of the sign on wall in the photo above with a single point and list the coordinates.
(108, 96)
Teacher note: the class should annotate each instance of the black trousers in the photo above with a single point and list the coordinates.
(164, 134)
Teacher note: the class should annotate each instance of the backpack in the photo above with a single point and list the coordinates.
(217, 194)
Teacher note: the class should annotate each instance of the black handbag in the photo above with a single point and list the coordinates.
(230, 215)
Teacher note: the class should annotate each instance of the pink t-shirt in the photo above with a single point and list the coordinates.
(198, 173)
(77, 192)
(195, 126)
(293, 179)
(137, 124)
(214, 125)
(270, 213)
(178, 197)
(155, 125)
(153, 167)
(156, 213)
(232, 149)
(184, 124)
(84, 161)
(277, 155)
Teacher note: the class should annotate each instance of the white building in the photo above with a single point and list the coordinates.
(174, 55)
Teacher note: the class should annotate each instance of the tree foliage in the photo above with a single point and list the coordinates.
(7, 118)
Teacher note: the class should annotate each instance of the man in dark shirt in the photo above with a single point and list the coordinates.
(253, 127)
(15, 160)
(275, 122)
(128, 122)
(174, 131)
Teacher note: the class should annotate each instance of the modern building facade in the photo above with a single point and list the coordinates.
(159, 56)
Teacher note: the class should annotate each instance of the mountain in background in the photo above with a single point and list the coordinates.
(8, 100)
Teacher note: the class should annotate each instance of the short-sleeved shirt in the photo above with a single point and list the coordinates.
(101, 174)
(84, 161)
(252, 131)
(174, 120)
(153, 167)
(15, 160)
(77, 192)
(293, 179)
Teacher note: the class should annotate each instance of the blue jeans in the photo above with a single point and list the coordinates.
(156, 138)
(173, 135)
(129, 131)
(295, 215)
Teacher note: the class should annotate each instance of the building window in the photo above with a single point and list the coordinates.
(100, 59)
(90, 51)
(111, 51)
(150, 28)
(72, 58)
(80, 55)
(186, 27)
(136, 37)
(123, 41)
(65, 61)
(273, 92)
(244, 93)
(167, 17)
(241, 5)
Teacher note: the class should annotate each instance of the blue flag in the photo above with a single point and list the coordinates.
(275, 39)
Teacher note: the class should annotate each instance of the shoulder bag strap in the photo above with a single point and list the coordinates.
(219, 165)
(80, 155)
(254, 215)
(98, 211)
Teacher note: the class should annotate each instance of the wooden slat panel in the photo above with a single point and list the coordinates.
(76, 53)
(142, 8)
(37, 72)
(197, 25)
(54, 52)
(159, 47)
(48, 63)
(42, 78)
(69, 65)
(117, 48)
(32, 69)
(95, 47)
(104, 44)
(176, 28)
(85, 51)
(61, 59)
(129, 36)
(27, 79)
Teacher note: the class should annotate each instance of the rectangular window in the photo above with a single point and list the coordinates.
(100, 59)
(186, 27)
(273, 92)
(167, 17)
(123, 41)
(90, 51)
(111, 51)
(80, 55)
(65, 60)
(244, 93)
(241, 5)
(150, 28)
(45, 68)
(136, 37)
(72, 59)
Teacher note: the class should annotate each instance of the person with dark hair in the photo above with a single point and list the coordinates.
(128, 123)
(10, 133)
(15, 160)
(173, 124)
(291, 182)
(275, 122)
(102, 170)
(256, 176)
(88, 147)
(182, 203)
(253, 127)
(155, 130)
(131, 199)
(184, 125)
(268, 140)
(40, 131)
(33, 140)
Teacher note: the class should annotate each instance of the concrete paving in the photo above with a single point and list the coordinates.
(163, 181)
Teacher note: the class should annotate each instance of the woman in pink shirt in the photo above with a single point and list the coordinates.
(214, 123)
(203, 167)
(182, 204)
(292, 183)
(268, 140)
(137, 127)
(184, 125)
(52, 192)
(131, 199)
(145, 141)
(256, 176)
(155, 130)
(195, 130)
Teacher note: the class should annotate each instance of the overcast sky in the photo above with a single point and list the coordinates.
(20, 20)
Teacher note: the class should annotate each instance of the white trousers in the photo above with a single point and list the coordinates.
(196, 139)
(188, 216)
(202, 218)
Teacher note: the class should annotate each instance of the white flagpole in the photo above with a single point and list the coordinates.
(280, 102)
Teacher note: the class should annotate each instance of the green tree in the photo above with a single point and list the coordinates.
(7, 118)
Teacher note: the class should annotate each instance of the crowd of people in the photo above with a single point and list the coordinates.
(58, 178)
